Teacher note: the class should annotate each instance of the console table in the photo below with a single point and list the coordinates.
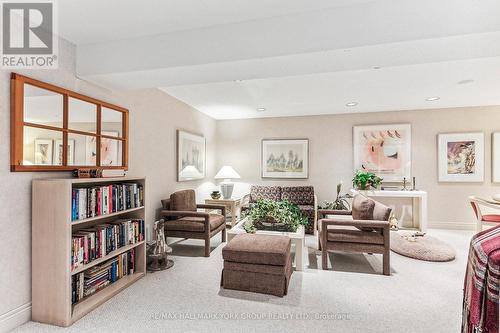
(232, 206)
(419, 203)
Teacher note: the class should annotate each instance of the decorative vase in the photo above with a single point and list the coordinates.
(215, 195)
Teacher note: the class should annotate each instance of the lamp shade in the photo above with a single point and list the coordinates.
(227, 172)
(190, 171)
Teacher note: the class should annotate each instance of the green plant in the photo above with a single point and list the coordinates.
(365, 180)
(340, 202)
(275, 215)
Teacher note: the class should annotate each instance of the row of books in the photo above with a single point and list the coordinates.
(96, 242)
(95, 201)
(97, 277)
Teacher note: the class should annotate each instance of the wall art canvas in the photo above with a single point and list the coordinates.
(285, 158)
(384, 150)
(58, 152)
(191, 152)
(495, 157)
(109, 150)
(461, 157)
(43, 152)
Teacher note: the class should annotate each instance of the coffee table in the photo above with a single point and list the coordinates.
(296, 237)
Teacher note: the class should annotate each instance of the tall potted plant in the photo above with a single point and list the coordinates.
(340, 202)
(366, 180)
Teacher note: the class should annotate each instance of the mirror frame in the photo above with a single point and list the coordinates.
(17, 125)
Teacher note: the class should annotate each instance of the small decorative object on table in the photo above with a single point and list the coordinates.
(215, 195)
(157, 252)
(366, 180)
(87, 173)
(276, 216)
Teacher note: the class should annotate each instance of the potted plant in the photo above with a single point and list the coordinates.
(340, 202)
(366, 180)
(273, 215)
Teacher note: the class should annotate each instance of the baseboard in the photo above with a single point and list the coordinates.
(15, 318)
(451, 225)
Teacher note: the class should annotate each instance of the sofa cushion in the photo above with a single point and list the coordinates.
(362, 208)
(183, 200)
(265, 192)
(355, 236)
(258, 249)
(381, 212)
(299, 195)
(195, 224)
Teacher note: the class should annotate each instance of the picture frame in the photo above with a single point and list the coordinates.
(384, 149)
(43, 152)
(461, 157)
(495, 157)
(58, 152)
(191, 156)
(285, 158)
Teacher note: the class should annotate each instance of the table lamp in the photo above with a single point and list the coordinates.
(227, 173)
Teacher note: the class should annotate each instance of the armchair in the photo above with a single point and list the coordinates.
(184, 221)
(365, 229)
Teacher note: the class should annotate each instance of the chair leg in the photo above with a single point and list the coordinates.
(324, 259)
(224, 235)
(319, 243)
(387, 263)
(207, 246)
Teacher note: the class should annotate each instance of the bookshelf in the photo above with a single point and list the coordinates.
(52, 229)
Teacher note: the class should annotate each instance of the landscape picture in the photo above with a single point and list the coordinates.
(190, 153)
(384, 150)
(285, 158)
(461, 157)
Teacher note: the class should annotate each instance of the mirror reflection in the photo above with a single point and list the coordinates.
(111, 152)
(82, 115)
(111, 122)
(40, 146)
(42, 106)
(82, 150)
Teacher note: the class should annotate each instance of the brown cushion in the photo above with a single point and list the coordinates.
(265, 192)
(183, 200)
(299, 195)
(195, 224)
(362, 208)
(381, 212)
(355, 236)
(258, 249)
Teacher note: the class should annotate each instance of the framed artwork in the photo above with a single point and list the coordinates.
(43, 152)
(191, 153)
(58, 152)
(384, 150)
(461, 157)
(285, 158)
(109, 150)
(495, 157)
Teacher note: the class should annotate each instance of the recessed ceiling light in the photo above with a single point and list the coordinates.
(377, 67)
(352, 104)
(238, 81)
(261, 109)
(465, 81)
(431, 99)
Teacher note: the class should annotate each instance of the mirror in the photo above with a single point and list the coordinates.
(38, 148)
(42, 106)
(82, 115)
(111, 152)
(111, 122)
(82, 150)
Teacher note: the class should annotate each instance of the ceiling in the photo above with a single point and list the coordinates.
(227, 58)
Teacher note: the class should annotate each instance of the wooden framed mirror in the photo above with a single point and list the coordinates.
(55, 129)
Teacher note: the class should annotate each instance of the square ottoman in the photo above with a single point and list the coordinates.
(257, 263)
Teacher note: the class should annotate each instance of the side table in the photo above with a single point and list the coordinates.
(232, 205)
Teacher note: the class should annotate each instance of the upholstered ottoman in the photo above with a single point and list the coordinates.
(257, 263)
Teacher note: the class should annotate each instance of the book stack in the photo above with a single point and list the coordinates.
(96, 201)
(95, 278)
(97, 242)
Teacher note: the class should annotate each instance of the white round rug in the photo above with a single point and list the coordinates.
(425, 247)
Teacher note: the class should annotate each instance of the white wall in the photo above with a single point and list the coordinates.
(154, 116)
(331, 153)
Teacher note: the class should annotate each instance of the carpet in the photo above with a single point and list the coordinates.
(425, 247)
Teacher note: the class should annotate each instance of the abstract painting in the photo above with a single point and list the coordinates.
(384, 150)
(58, 152)
(43, 152)
(285, 158)
(495, 138)
(461, 157)
(190, 156)
(109, 150)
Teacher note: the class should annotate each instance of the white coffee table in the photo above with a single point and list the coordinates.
(296, 237)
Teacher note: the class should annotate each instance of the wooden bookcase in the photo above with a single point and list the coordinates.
(52, 230)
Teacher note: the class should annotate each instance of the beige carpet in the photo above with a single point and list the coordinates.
(419, 297)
